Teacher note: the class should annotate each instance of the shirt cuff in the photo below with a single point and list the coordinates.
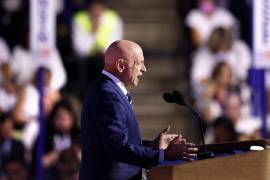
(161, 156)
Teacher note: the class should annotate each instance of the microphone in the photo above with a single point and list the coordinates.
(168, 98)
(177, 97)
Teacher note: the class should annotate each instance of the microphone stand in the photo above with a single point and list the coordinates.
(205, 154)
(177, 98)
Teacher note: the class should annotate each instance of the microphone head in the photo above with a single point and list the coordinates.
(179, 98)
(168, 98)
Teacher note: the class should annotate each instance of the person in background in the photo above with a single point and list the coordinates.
(16, 169)
(66, 167)
(203, 20)
(9, 147)
(222, 46)
(27, 108)
(214, 92)
(24, 65)
(93, 30)
(62, 132)
(224, 130)
(212, 97)
(8, 91)
(247, 126)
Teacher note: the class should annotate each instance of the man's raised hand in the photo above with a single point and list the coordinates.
(163, 140)
(180, 149)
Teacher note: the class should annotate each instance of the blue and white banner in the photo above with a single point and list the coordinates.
(42, 40)
(261, 33)
(261, 59)
(42, 28)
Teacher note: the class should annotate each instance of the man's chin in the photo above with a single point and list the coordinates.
(135, 84)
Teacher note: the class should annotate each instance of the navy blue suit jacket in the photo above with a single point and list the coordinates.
(111, 143)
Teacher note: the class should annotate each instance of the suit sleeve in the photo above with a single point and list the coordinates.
(110, 123)
(146, 143)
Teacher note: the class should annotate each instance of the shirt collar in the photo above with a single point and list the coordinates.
(119, 83)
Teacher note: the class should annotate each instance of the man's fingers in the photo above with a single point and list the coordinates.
(190, 145)
(175, 140)
(183, 140)
(187, 158)
(192, 155)
(192, 150)
(171, 136)
(178, 141)
(166, 130)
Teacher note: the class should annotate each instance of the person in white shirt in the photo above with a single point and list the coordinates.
(203, 20)
(26, 111)
(222, 46)
(247, 126)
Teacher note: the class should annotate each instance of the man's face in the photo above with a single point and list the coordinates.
(134, 68)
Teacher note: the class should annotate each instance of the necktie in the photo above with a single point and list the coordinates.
(129, 97)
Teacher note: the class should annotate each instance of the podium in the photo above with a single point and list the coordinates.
(232, 161)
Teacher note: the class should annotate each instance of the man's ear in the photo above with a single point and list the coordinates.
(120, 65)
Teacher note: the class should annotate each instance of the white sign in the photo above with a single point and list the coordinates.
(261, 33)
(42, 28)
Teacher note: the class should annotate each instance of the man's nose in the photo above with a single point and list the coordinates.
(143, 68)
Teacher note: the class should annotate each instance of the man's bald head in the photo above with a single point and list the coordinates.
(121, 57)
(122, 49)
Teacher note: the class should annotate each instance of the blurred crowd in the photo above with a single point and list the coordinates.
(84, 30)
(219, 69)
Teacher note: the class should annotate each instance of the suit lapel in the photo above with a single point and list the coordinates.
(124, 99)
(117, 89)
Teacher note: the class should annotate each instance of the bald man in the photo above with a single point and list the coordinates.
(111, 143)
